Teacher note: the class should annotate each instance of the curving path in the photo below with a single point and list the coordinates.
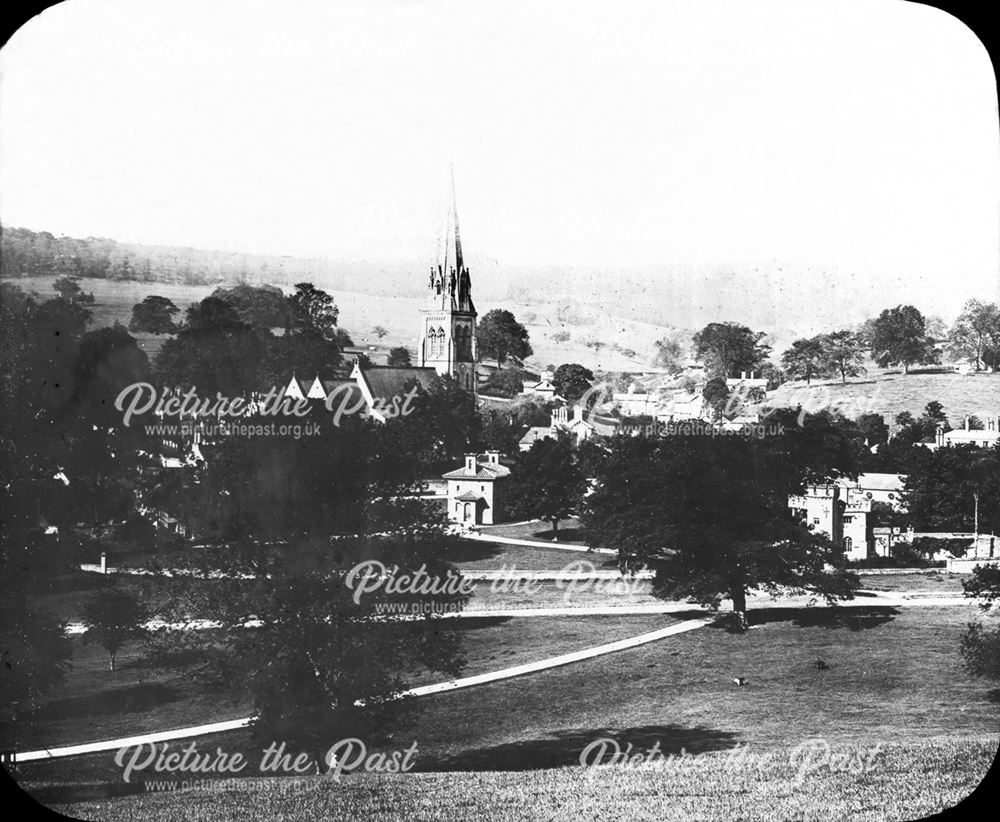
(424, 690)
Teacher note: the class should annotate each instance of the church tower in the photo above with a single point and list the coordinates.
(448, 324)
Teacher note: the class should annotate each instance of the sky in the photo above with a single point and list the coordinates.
(853, 144)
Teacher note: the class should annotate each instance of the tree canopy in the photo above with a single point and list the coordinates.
(728, 349)
(501, 337)
(899, 337)
(154, 315)
(711, 517)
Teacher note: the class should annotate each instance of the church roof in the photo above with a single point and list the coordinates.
(388, 382)
(351, 396)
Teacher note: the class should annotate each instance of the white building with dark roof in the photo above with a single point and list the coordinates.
(473, 495)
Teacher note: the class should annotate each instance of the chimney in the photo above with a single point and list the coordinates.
(939, 436)
(966, 423)
(470, 463)
(743, 375)
(493, 457)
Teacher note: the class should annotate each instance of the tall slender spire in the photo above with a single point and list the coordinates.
(454, 217)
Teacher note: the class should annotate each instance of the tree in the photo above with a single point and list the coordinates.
(216, 352)
(980, 645)
(313, 308)
(259, 306)
(572, 380)
(805, 359)
(154, 315)
(976, 332)
(874, 429)
(728, 349)
(500, 336)
(954, 489)
(547, 482)
(508, 382)
(379, 331)
(716, 395)
(711, 517)
(842, 353)
(399, 357)
(668, 354)
(69, 289)
(899, 337)
(112, 618)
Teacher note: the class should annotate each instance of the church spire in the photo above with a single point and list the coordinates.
(454, 221)
(451, 286)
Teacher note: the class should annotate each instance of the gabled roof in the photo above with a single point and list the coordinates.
(468, 496)
(348, 393)
(384, 382)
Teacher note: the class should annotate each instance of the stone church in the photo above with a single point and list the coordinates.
(448, 323)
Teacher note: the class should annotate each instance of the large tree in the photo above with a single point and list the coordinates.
(154, 315)
(311, 307)
(572, 380)
(899, 337)
(804, 359)
(976, 332)
(500, 336)
(214, 352)
(728, 349)
(711, 517)
(261, 306)
(954, 489)
(842, 353)
(324, 659)
(547, 482)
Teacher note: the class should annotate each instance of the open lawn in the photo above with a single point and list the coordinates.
(893, 676)
(95, 704)
(492, 556)
(561, 594)
(569, 531)
(898, 782)
(947, 584)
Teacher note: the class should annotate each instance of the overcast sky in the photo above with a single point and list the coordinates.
(856, 139)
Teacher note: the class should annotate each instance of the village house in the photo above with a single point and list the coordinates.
(983, 438)
(473, 495)
(543, 389)
(634, 403)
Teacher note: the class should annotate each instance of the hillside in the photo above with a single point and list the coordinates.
(625, 345)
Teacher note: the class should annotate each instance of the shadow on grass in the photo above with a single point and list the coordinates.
(563, 748)
(130, 699)
(853, 619)
(470, 551)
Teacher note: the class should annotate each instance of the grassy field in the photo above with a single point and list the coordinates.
(485, 556)
(569, 531)
(889, 392)
(95, 703)
(892, 676)
(898, 782)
